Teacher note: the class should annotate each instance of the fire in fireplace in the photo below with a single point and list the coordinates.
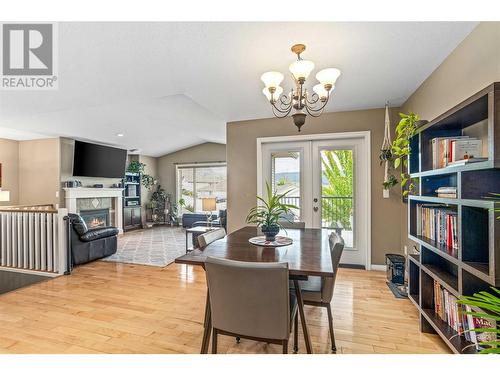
(95, 218)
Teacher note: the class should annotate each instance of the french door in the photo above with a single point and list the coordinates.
(328, 180)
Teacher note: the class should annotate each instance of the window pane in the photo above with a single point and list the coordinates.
(337, 193)
(186, 189)
(211, 183)
(286, 177)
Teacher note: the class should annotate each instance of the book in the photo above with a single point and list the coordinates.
(438, 223)
(447, 192)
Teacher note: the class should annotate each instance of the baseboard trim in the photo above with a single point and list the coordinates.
(378, 267)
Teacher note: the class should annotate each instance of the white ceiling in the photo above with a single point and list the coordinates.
(168, 86)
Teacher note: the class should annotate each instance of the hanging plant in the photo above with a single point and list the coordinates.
(391, 181)
(401, 149)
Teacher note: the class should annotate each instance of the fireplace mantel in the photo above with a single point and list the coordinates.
(72, 194)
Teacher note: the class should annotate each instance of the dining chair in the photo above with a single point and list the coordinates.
(209, 237)
(318, 291)
(250, 300)
(292, 225)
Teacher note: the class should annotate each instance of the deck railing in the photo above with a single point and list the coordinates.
(336, 212)
(33, 239)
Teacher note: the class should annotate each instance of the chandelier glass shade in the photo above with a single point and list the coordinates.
(300, 99)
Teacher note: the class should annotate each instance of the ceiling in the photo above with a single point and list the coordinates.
(168, 86)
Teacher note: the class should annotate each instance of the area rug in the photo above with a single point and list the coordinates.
(158, 246)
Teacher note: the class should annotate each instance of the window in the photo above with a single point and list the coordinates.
(195, 182)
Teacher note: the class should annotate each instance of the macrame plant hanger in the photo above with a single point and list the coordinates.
(386, 145)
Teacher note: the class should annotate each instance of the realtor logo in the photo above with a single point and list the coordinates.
(28, 58)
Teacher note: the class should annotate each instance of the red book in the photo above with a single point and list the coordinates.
(449, 240)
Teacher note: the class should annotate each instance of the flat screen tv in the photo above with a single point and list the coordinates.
(91, 160)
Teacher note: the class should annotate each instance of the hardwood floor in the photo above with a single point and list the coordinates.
(108, 307)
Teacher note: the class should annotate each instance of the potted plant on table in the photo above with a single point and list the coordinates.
(267, 215)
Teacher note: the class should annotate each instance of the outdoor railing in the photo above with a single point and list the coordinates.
(336, 212)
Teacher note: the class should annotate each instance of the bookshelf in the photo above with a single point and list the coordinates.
(475, 265)
(132, 215)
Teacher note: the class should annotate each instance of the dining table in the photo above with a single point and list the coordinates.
(307, 255)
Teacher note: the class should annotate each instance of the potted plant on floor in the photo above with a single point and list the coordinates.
(267, 215)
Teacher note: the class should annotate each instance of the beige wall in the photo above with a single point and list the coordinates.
(9, 158)
(242, 170)
(39, 171)
(151, 169)
(206, 152)
(472, 66)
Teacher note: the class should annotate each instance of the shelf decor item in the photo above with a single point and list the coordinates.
(299, 99)
(278, 241)
(267, 215)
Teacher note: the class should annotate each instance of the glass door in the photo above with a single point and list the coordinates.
(284, 170)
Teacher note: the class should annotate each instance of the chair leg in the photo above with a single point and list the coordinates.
(330, 324)
(285, 346)
(214, 341)
(296, 333)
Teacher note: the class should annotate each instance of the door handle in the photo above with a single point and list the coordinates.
(315, 209)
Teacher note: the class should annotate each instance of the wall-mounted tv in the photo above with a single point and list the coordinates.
(91, 160)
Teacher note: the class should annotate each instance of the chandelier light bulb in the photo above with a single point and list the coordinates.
(328, 76)
(272, 79)
(301, 69)
(321, 91)
(275, 95)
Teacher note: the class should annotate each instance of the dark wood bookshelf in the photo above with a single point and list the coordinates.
(476, 265)
(132, 211)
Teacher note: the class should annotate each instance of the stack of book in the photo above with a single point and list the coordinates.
(449, 311)
(447, 192)
(438, 223)
(452, 151)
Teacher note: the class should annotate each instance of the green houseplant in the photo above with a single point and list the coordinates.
(137, 167)
(268, 214)
(490, 303)
(400, 149)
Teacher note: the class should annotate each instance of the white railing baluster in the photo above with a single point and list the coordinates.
(33, 240)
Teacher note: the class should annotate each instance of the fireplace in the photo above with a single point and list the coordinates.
(96, 218)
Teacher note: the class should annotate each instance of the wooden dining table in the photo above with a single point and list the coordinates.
(308, 255)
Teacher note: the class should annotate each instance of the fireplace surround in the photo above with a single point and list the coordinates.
(72, 195)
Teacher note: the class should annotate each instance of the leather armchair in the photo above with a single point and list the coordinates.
(90, 244)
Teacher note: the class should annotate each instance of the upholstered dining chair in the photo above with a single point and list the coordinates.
(250, 300)
(318, 291)
(209, 237)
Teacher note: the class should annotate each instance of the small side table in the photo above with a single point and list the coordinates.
(195, 232)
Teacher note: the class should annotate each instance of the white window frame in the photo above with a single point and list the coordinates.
(179, 166)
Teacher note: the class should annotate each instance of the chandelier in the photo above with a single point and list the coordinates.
(299, 99)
